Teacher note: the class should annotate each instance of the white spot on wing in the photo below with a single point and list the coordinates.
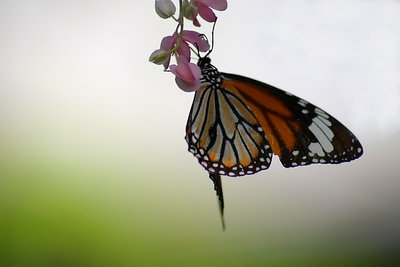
(322, 139)
(316, 148)
(302, 102)
(322, 113)
(324, 120)
(289, 94)
(327, 131)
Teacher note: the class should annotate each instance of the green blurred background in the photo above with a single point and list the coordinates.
(94, 170)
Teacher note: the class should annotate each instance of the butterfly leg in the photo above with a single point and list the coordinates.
(216, 178)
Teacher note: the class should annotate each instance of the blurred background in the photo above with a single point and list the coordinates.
(94, 169)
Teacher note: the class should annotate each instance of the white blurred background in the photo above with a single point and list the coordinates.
(77, 90)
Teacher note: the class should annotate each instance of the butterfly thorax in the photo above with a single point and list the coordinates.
(209, 73)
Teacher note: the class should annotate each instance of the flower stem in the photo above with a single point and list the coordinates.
(180, 25)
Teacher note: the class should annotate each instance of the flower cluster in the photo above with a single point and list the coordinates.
(181, 42)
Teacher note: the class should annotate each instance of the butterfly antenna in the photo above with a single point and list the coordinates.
(197, 48)
(216, 178)
(212, 39)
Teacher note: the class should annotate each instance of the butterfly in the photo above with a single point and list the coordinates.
(236, 124)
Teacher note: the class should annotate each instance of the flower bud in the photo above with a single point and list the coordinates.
(159, 57)
(189, 10)
(165, 8)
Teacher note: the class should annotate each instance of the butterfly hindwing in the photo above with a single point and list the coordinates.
(224, 134)
(299, 132)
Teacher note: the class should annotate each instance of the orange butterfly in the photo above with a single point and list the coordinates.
(236, 124)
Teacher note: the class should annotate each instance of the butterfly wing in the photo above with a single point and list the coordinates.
(298, 132)
(223, 133)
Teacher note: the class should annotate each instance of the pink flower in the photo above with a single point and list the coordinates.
(192, 37)
(187, 75)
(203, 8)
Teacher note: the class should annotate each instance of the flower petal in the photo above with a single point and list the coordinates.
(196, 71)
(183, 70)
(187, 87)
(168, 42)
(187, 75)
(216, 4)
(184, 50)
(196, 38)
(196, 22)
(206, 13)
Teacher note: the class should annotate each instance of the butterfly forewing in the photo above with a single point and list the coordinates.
(299, 132)
(236, 123)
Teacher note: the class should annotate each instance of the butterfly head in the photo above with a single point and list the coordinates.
(210, 74)
(204, 62)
